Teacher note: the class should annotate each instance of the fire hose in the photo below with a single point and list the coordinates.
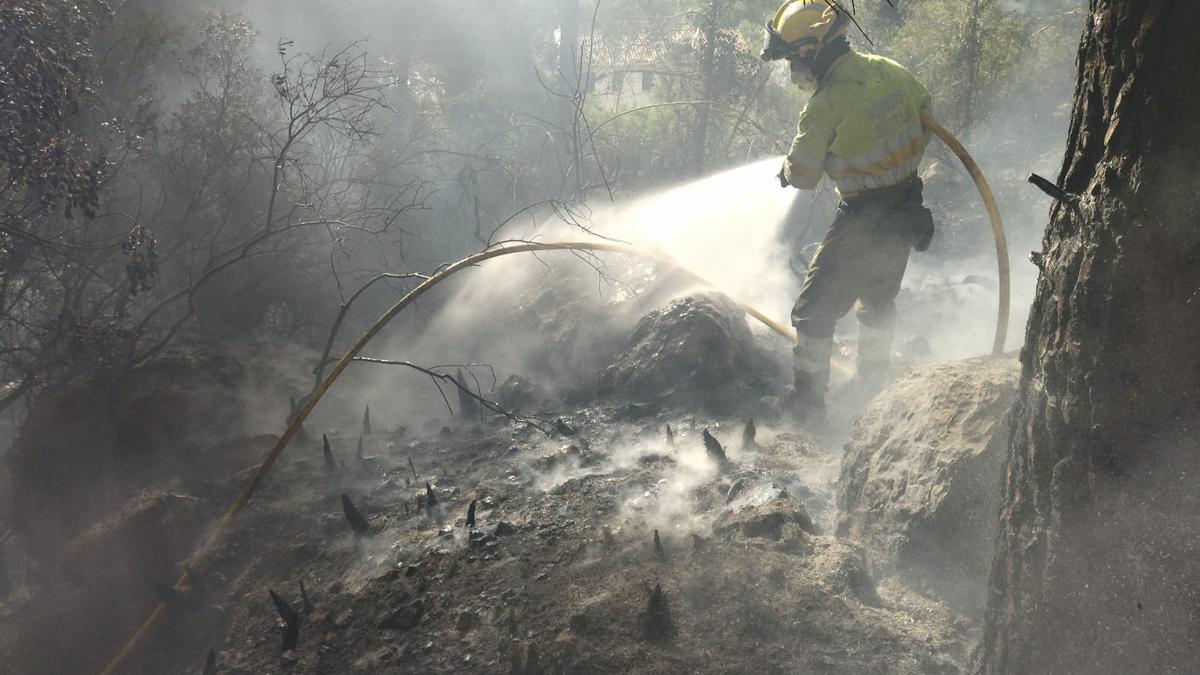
(530, 247)
(993, 211)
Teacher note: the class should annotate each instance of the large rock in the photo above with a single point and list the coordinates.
(920, 480)
(764, 512)
(697, 351)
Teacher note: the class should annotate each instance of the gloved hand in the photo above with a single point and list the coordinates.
(782, 176)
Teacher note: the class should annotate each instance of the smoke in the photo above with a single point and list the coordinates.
(556, 318)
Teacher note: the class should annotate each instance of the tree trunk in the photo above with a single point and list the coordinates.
(1097, 566)
(708, 78)
(972, 47)
(572, 88)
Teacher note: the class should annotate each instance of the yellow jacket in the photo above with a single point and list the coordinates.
(862, 127)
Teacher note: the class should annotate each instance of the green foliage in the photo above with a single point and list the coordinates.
(47, 79)
(1015, 48)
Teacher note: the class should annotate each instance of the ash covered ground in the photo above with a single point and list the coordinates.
(608, 535)
(617, 539)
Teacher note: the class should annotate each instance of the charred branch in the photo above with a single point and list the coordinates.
(749, 435)
(327, 452)
(291, 621)
(468, 401)
(464, 392)
(308, 606)
(358, 523)
(657, 624)
(714, 448)
(1053, 191)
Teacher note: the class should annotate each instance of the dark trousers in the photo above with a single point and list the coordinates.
(862, 260)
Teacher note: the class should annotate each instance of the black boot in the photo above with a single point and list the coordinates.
(810, 370)
(807, 400)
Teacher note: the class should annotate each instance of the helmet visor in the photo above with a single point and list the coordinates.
(776, 48)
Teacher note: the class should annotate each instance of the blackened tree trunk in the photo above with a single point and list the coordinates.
(1097, 567)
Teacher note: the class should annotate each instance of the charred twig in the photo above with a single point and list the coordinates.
(210, 662)
(850, 14)
(471, 514)
(714, 448)
(468, 405)
(431, 499)
(286, 611)
(358, 523)
(291, 621)
(319, 371)
(327, 451)
(412, 467)
(358, 452)
(308, 606)
(749, 435)
(366, 426)
(670, 436)
(561, 426)
(291, 634)
(439, 377)
(1052, 190)
(659, 552)
(657, 625)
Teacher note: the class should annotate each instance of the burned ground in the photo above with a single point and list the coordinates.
(561, 572)
(628, 535)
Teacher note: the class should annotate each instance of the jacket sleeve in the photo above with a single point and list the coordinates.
(805, 163)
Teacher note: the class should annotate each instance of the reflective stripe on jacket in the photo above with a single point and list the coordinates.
(862, 127)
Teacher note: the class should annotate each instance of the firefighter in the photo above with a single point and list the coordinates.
(862, 128)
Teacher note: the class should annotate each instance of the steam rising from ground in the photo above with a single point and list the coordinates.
(556, 319)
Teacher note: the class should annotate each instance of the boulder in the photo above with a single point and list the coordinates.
(696, 351)
(518, 393)
(763, 512)
(920, 480)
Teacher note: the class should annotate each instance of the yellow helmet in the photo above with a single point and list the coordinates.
(802, 27)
